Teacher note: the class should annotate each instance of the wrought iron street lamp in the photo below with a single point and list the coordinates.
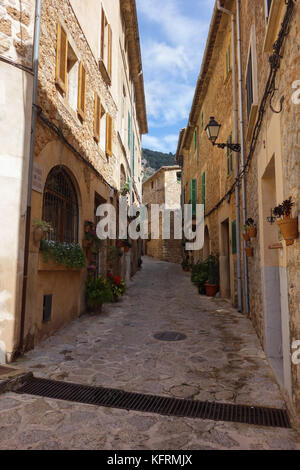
(213, 129)
(271, 220)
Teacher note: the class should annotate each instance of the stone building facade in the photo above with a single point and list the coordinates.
(91, 115)
(268, 110)
(163, 188)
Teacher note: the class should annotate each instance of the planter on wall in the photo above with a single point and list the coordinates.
(249, 252)
(288, 228)
(252, 232)
(246, 237)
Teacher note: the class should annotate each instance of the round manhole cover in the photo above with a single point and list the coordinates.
(169, 336)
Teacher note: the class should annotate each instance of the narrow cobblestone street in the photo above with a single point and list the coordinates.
(221, 359)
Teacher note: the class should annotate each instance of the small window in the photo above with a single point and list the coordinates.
(47, 308)
(61, 58)
(60, 206)
(106, 48)
(179, 176)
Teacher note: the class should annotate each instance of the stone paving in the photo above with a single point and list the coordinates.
(221, 359)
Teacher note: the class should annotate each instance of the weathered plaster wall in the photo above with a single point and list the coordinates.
(16, 31)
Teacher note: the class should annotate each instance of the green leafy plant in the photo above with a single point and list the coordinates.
(118, 286)
(213, 269)
(70, 255)
(200, 274)
(98, 292)
(114, 253)
(45, 226)
(284, 210)
(125, 189)
(249, 223)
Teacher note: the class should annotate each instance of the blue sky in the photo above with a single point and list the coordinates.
(173, 37)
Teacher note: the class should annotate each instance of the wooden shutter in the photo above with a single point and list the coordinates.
(81, 91)
(97, 117)
(129, 130)
(133, 156)
(109, 134)
(109, 51)
(193, 191)
(103, 24)
(61, 58)
(249, 85)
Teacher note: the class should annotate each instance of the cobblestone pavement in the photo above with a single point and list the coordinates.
(221, 359)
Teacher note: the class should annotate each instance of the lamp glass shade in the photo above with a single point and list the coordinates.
(213, 129)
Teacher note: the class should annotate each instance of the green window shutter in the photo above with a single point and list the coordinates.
(193, 193)
(229, 157)
(133, 155)
(129, 130)
(234, 241)
(202, 119)
(203, 187)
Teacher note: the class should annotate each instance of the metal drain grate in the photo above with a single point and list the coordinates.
(112, 398)
(169, 336)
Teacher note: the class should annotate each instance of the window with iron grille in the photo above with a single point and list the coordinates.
(60, 206)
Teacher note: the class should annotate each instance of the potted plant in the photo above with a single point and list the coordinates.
(40, 229)
(246, 234)
(98, 291)
(251, 228)
(287, 224)
(212, 285)
(117, 285)
(200, 273)
(249, 251)
(125, 189)
(186, 264)
(70, 255)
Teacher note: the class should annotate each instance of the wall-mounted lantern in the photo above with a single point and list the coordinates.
(213, 129)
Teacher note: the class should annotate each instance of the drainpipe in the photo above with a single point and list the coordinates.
(36, 50)
(241, 106)
(237, 162)
(131, 150)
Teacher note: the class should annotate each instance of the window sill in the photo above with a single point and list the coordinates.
(252, 121)
(51, 266)
(274, 22)
(105, 75)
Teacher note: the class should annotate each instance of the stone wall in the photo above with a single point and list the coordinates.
(163, 188)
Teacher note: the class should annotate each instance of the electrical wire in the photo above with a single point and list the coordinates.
(270, 89)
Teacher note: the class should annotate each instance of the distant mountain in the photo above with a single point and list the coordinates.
(153, 161)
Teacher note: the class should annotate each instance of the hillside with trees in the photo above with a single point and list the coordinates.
(153, 161)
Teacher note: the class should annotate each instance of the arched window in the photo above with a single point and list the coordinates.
(60, 206)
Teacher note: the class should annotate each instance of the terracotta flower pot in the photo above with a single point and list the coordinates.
(252, 232)
(38, 234)
(289, 228)
(246, 237)
(211, 289)
(126, 249)
(249, 252)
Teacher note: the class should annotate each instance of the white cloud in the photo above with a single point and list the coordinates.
(164, 144)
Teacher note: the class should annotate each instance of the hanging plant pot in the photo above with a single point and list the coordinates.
(38, 234)
(249, 252)
(246, 237)
(252, 232)
(211, 289)
(288, 228)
